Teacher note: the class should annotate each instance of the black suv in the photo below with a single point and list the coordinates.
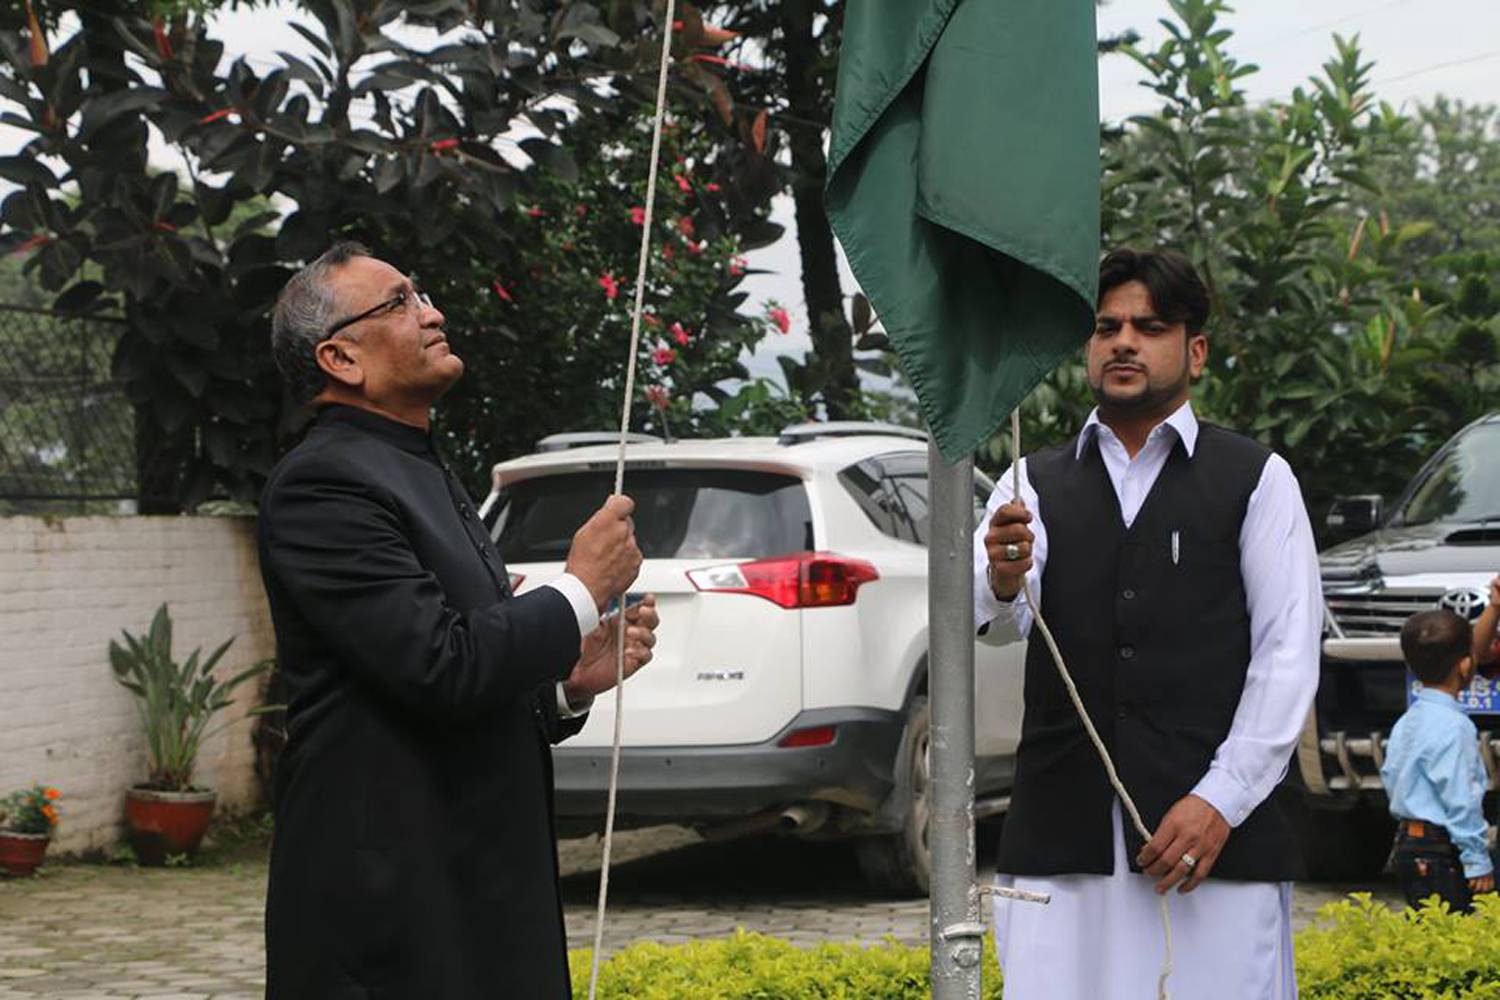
(1438, 546)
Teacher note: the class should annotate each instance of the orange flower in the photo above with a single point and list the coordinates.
(52, 794)
(51, 814)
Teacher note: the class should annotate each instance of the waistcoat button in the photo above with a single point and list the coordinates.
(1127, 652)
(1128, 594)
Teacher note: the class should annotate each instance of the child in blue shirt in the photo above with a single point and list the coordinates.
(1433, 772)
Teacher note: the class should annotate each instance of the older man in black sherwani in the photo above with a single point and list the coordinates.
(415, 852)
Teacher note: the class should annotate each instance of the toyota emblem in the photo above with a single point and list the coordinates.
(1466, 602)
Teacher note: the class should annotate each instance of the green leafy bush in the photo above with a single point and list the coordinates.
(1359, 949)
(1362, 950)
(756, 967)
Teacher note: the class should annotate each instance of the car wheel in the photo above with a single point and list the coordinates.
(1339, 844)
(901, 862)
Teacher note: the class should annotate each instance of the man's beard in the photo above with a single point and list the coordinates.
(1153, 398)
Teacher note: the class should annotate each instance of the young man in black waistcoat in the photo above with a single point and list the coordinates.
(1175, 563)
(415, 851)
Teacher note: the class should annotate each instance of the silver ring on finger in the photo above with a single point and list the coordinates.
(1012, 551)
(1189, 860)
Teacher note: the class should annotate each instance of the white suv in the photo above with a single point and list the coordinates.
(788, 690)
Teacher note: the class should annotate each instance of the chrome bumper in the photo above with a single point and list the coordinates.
(1345, 763)
(1373, 650)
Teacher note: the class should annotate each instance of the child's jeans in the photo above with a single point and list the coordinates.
(1426, 862)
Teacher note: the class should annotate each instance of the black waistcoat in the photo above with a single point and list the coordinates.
(1157, 636)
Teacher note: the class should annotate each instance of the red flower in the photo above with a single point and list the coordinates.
(685, 226)
(667, 253)
(442, 144)
(610, 285)
(780, 318)
(535, 212)
(40, 239)
(651, 319)
(664, 355)
(736, 267)
(638, 216)
(683, 184)
(680, 334)
(163, 43)
(500, 291)
(711, 188)
(581, 211)
(659, 396)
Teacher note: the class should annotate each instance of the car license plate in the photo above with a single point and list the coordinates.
(1482, 697)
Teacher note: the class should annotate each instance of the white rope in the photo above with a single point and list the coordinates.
(1088, 724)
(635, 343)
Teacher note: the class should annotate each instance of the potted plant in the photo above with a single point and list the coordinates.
(27, 819)
(168, 814)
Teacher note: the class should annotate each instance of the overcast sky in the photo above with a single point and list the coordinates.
(1420, 48)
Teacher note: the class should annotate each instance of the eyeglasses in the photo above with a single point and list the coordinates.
(395, 303)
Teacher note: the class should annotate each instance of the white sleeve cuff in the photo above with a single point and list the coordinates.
(567, 711)
(582, 601)
(1221, 791)
(990, 610)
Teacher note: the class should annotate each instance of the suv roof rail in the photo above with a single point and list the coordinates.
(583, 439)
(800, 433)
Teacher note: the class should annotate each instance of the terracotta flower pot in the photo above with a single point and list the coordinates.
(167, 823)
(21, 853)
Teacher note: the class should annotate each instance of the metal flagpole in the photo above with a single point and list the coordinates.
(957, 926)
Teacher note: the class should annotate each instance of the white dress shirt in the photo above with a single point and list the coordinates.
(1283, 591)
(587, 614)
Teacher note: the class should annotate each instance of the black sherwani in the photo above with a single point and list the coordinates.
(415, 856)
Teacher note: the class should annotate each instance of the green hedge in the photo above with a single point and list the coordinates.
(756, 967)
(1362, 950)
(1358, 950)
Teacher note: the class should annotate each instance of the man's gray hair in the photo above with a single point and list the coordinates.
(304, 312)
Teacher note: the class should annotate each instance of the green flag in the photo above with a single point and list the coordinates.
(963, 184)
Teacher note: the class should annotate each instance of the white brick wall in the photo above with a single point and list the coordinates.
(67, 587)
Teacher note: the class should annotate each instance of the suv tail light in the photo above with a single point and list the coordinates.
(798, 580)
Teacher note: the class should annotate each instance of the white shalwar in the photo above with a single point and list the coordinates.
(1101, 937)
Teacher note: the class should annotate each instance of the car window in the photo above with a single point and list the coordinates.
(892, 490)
(679, 514)
(907, 476)
(1463, 484)
(866, 483)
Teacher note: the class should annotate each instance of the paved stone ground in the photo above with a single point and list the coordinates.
(103, 932)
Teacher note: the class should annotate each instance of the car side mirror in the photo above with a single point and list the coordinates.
(1355, 515)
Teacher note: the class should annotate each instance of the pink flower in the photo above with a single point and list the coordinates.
(638, 216)
(500, 291)
(683, 184)
(610, 285)
(780, 318)
(685, 226)
(664, 355)
(680, 334)
(711, 188)
(695, 248)
(659, 396)
(736, 267)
